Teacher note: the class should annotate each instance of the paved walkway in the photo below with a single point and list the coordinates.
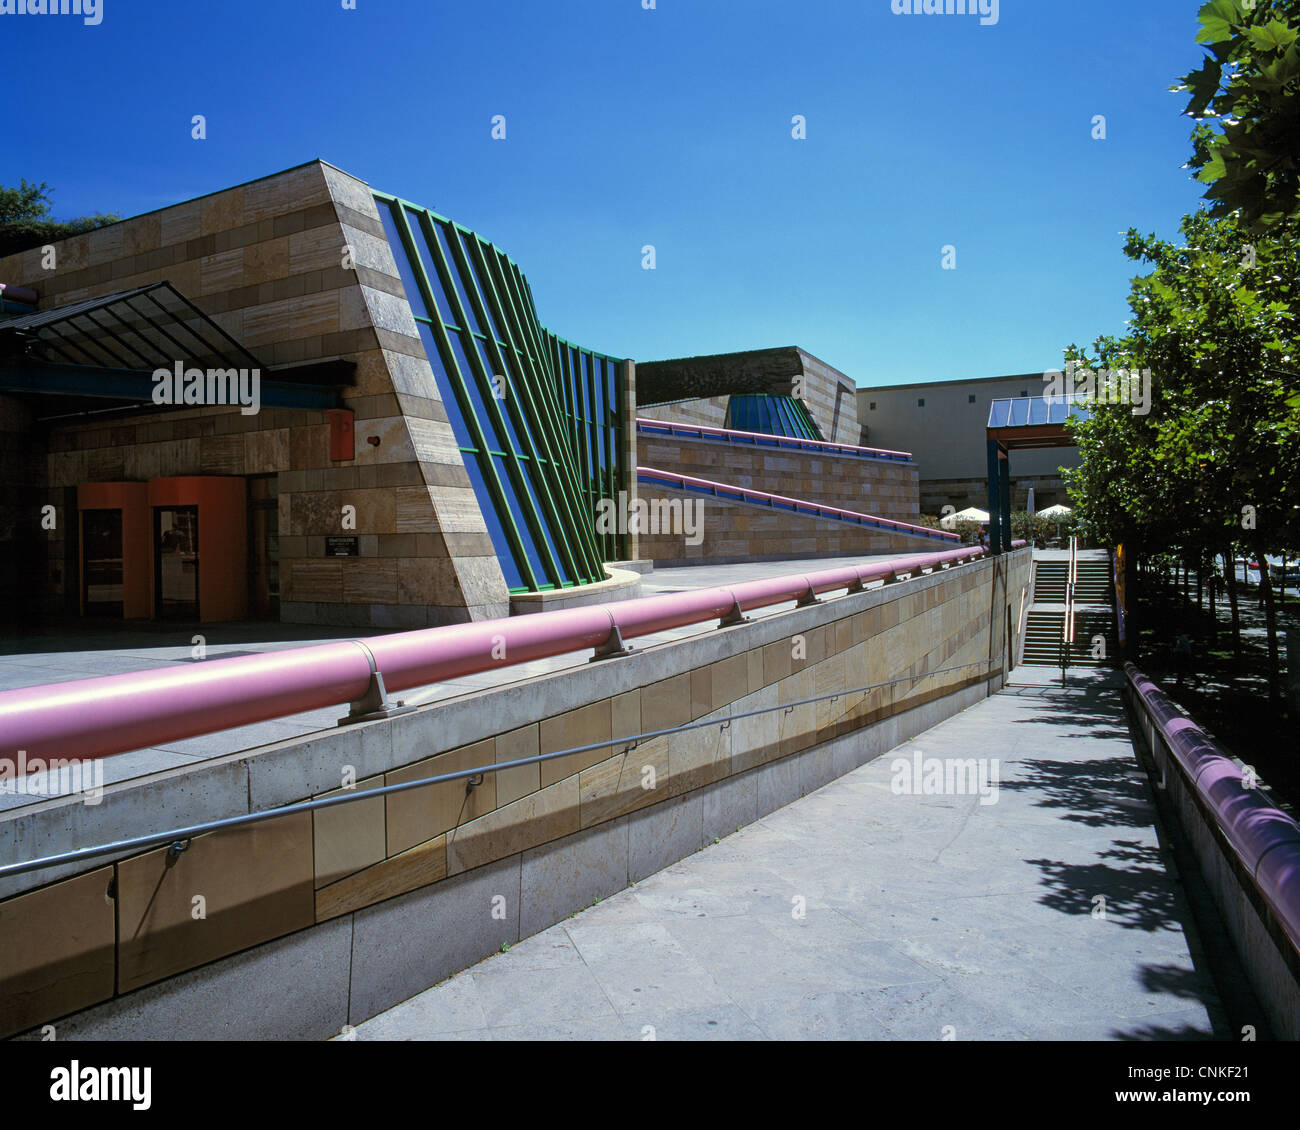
(924, 916)
(58, 655)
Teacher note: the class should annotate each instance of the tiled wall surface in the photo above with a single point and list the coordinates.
(869, 486)
(264, 260)
(237, 890)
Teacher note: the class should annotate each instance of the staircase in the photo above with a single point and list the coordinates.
(1094, 613)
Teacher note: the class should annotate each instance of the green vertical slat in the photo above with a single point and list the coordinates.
(578, 531)
(556, 514)
(556, 573)
(487, 465)
(542, 365)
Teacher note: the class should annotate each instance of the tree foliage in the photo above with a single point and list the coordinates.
(26, 220)
(1218, 456)
(1244, 98)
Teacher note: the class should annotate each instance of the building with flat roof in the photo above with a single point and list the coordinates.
(943, 425)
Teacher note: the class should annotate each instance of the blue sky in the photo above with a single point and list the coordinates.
(671, 127)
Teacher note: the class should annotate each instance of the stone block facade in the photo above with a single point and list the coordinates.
(868, 486)
(736, 531)
(296, 267)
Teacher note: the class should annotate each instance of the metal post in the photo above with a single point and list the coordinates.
(995, 493)
(1004, 483)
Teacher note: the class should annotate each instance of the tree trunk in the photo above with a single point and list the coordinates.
(1230, 560)
(1270, 616)
(1136, 570)
(1212, 593)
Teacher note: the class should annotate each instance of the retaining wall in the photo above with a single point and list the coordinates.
(316, 920)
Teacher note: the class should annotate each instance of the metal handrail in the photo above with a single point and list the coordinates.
(1067, 621)
(781, 502)
(1265, 839)
(110, 714)
(766, 439)
(178, 836)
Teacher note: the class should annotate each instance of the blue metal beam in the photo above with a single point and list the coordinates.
(138, 385)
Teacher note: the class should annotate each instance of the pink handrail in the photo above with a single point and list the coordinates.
(99, 717)
(676, 428)
(1266, 839)
(815, 508)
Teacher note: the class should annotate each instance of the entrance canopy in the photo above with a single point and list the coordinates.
(104, 351)
(1023, 422)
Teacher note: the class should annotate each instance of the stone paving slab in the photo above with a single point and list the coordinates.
(860, 912)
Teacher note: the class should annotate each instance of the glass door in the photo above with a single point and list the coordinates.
(101, 539)
(176, 562)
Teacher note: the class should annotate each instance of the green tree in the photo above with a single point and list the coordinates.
(1216, 463)
(26, 221)
(1246, 143)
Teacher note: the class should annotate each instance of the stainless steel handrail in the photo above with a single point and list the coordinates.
(178, 836)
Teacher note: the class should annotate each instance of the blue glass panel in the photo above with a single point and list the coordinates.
(413, 293)
(455, 277)
(484, 288)
(546, 527)
(599, 431)
(500, 542)
(508, 390)
(998, 412)
(516, 511)
(580, 380)
(1057, 409)
(1037, 410)
(513, 385)
(426, 259)
(449, 401)
(475, 393)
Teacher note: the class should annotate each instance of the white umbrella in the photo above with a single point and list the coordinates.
(970, 514)
(1056, 512)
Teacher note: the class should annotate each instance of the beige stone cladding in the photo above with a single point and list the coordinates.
(831, 399)
(296, 268)
(869, 486)
(738, 531)
(711, 412)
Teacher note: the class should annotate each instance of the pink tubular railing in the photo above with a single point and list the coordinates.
(1266, 839)
(764, 439)
(89, 718)
(779, 501)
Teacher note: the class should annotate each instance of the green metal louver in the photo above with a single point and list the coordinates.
(539, 420)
